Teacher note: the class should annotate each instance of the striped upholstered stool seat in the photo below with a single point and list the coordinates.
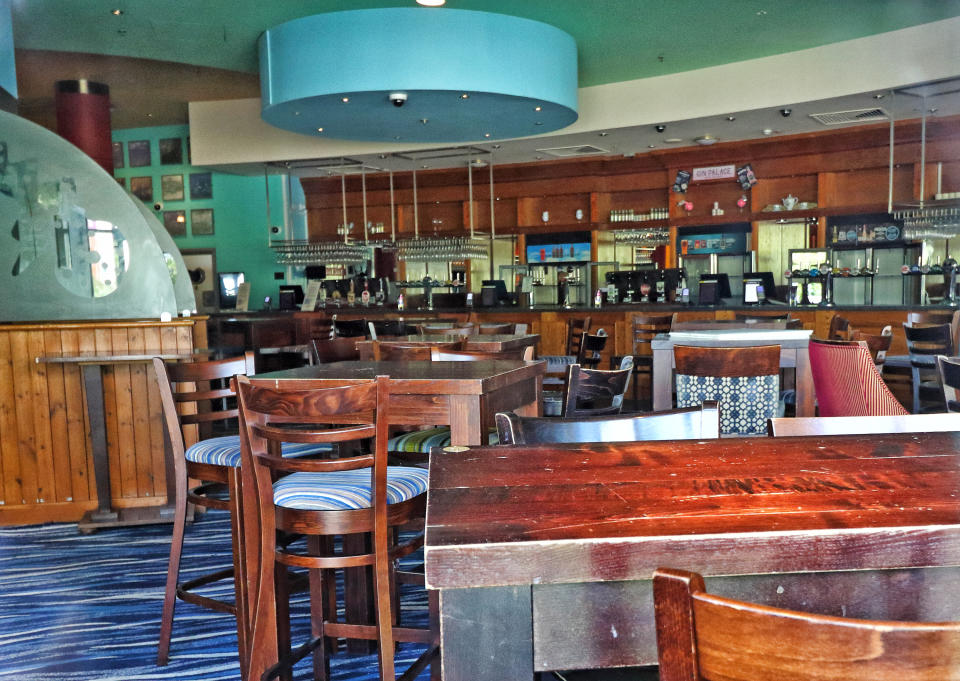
(345, 490)
(422, 441)
(225, 450)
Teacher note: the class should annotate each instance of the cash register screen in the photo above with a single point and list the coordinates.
(753, 291)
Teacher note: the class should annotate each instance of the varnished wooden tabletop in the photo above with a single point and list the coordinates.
(579, 513)
(419, 377)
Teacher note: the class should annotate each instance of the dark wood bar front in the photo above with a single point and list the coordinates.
(543, 555)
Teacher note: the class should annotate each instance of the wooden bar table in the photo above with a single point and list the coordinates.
(474, 343)
(463, 395)
(543, 555)
(793, 354)
(91, 367)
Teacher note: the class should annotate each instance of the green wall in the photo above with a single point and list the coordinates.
(239, 206)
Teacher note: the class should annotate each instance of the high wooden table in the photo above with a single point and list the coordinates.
(544, 555)
(91, 368)
(793, 354)
(463, 395)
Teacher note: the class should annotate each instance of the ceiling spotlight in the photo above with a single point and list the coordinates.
(604, 134)
(538, 108)
(116, 12)
(464, 96)
(731, 118)
(345, 100)
(486, 134)
(651, 146)
(879, 95)
(767, 131)
(424, 121)
(673, 140)
(319, 129)
(431, 3)
(660, 128)
(706, 140)
(786, 112)
(497, 146)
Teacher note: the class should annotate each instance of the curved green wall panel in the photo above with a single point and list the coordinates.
(73, 245)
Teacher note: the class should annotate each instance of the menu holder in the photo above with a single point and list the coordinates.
(243, 297)
(310, 299)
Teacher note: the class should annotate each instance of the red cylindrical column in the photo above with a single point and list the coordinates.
(83, 118)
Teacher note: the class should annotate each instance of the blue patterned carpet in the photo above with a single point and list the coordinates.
(87, 607)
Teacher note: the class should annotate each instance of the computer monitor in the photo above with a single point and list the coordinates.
(722, 282)
(709, 293)
(765, 280)
(229, 285)
(290, 296)
(500, 292)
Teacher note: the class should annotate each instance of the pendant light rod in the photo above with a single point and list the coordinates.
(923, 150)
(470, 193)
(493, 226)
(393, 220)
(363, 191)
(343, 202)
(416, 216)
(890, 174)
(266, 188)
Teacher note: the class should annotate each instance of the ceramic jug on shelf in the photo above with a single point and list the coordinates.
(789, 201)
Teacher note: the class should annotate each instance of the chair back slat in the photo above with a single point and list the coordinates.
(759, 360)
(335, 349)
(444, 355)
(702, 636)
(693, 423)
(594, 392)
(575, 330)
(933, 339)
(949, 369)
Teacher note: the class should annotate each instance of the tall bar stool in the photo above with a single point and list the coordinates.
(645, 328)
(324, 498)
(195, 399)
(745, 381)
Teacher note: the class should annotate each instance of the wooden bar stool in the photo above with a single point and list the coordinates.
(324, 498)
(194, 397)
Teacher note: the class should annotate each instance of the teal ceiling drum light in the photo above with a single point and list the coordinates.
(418, 75)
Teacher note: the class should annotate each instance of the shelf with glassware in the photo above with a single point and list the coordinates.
(556, 283)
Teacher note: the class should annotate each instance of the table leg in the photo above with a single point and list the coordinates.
(466, 420)
(93, 386)
(804, 387)
(662, 375)
(487, 634)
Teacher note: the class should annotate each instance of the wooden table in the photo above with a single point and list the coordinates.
(475, 342)
(463, 395)
(793, 353)
(91, 368)
(543, 555)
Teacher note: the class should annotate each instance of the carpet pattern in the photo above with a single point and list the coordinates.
(87, 608)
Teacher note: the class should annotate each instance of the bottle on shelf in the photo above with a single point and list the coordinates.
(598, 299)
(400, 302)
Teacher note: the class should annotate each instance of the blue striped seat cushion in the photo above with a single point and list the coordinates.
(225, 451)
(345, 490)
(423, 441)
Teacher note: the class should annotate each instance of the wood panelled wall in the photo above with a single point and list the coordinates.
(46, 468)
(844, 171)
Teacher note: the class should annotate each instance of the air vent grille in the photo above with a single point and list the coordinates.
(855, 116)
(579, 150)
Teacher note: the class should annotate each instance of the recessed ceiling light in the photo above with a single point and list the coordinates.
(538, 108)
(464, 96)
(879, 95)
(296, 113)
(424, 166)
(651, 146)
(731, 118)
(673, 140)
(486, 134)
(706, 140)
(319, 129)
(116, 12)
(423, 121)
(431, 3)
(345, 100)
(767, 131)
(497, 146)
(538, 123)
(604, 134)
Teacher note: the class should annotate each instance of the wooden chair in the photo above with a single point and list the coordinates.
(335, 350)
(389, 351)
(878, 345)
(591, 345)
(557, 364)
(497, 329)
(594, 392)
(949, 369)
(443, 355)
(324, 498)
(839, 328)
(924, 343)
(693, 423)
(645, 328)
(194, 398)
(847, 382)
(703, 637)
(745, 381)
(943, 316)
(863, 425)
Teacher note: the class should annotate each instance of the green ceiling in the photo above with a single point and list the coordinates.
(617, 39)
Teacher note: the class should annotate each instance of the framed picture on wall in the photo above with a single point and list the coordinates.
(171, 151)
(201, 186)
(172, 187)
(139, 152)
(118, 154)
(202, 267)
(201, 221)
(142, 188)
(176, 222)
